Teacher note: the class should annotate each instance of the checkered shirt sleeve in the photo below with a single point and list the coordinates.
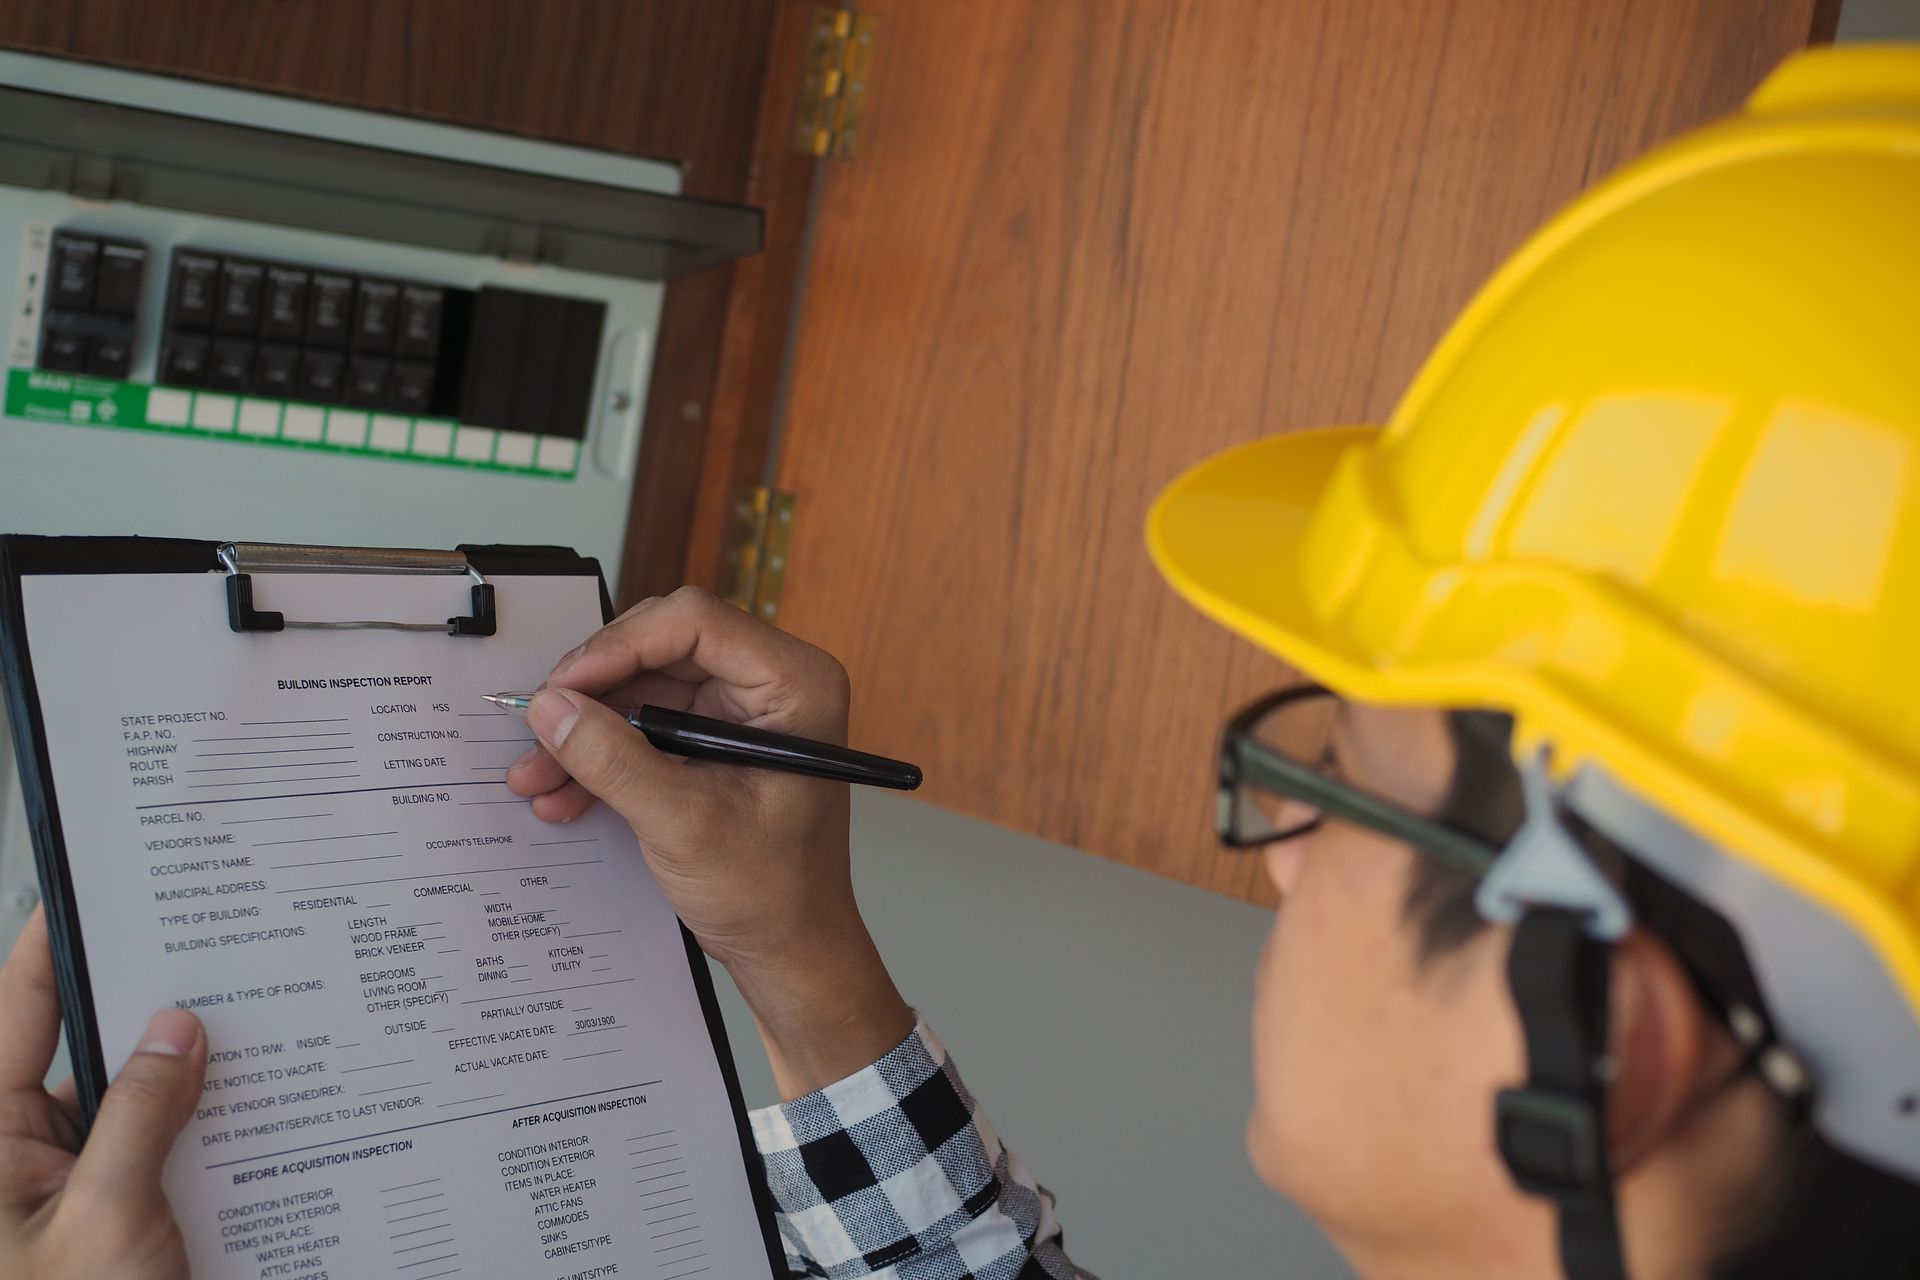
(894, 1172)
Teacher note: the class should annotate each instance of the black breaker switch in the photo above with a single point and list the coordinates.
(93, 293)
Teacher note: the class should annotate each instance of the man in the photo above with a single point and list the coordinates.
(1599, 951)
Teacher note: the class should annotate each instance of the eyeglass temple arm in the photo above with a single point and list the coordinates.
(1338, 800)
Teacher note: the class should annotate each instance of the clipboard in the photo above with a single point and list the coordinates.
(233, 570)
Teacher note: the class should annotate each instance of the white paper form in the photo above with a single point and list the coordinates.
(448, 1039)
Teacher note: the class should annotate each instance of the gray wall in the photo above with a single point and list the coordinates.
(1879, 20)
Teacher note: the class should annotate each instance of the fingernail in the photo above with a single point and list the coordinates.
(551, 717)
(526, 757)
(172, 1032)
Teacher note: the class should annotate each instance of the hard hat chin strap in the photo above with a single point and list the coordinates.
(1552, 1133)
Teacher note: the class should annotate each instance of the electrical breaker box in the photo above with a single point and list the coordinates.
(230, 315)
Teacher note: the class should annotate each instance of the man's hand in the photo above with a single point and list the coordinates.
(97, 1210)
(755, 862)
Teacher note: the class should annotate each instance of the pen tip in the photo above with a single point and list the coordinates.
(494, 698)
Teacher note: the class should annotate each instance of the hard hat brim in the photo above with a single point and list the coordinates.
(1227, 536)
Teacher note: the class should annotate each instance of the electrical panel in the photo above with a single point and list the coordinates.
(442, 335)
(323, 325)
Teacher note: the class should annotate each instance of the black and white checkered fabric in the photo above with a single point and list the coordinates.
(894, 1172)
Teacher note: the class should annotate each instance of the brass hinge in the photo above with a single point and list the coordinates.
(759, 531)
(833, 86)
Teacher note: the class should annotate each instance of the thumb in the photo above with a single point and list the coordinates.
(145, 1108)
(612, 759)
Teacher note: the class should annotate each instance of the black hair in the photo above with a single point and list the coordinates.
(1823, 1215)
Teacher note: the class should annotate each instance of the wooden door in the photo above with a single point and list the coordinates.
(1085, 243)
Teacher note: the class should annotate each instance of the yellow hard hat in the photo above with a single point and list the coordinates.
(1657, 494)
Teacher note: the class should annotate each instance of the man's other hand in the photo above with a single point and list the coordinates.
(69, 1209)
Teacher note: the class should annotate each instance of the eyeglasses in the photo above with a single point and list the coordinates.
(1276, 783)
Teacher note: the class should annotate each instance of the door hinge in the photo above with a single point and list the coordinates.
(833, 84)
(759, 531)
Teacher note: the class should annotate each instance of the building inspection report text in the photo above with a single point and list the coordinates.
(448, 1039)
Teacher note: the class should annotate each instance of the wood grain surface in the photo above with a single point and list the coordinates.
(1086, 243)
(678, 80)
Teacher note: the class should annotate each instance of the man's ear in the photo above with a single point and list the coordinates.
(1662, 1043)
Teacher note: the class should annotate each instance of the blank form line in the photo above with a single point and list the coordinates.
(254, 724)
(654, 1222)
(480, 740)
(375, 1066)
(268, 782)
(601, 1054)
(255, 768)
(436, 1275)
(442, 1258)
(415, 1217)
(667, 1191)
(465, 803)
(442, 875)
(665, 1146)
(331, 862)
(285, 817)
(276, 737)
(598, 933)
(374, 1093)
(655, 1164)
(419, 1231)
(489, 1097)
(583, 840)
(431, 1244)
(514, 995)
(478, 715)
(677, 1231)
(677, 1173)
(437, 1195)
(265, 751)
(408, 1186)
(668, 1205)
(358, 835)
(660, 1133)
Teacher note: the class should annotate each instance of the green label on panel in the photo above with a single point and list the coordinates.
(37, 395)
(75, 397)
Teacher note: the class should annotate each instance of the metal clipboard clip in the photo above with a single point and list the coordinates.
(242, 560)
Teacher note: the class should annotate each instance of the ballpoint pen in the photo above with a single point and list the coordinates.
(682, 733)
